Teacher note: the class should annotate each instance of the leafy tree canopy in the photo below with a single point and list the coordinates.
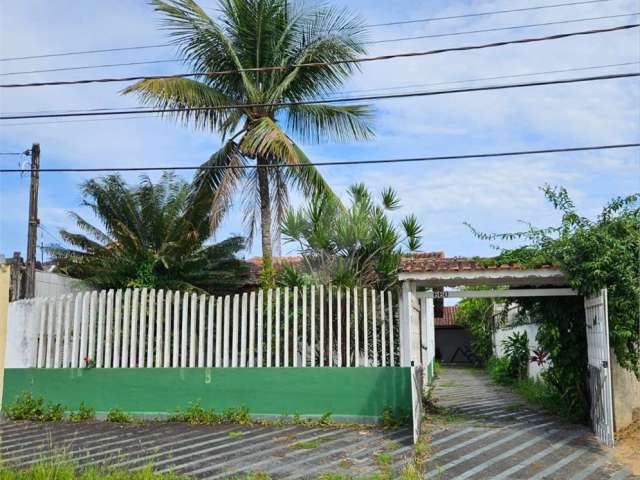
(595, 254)
(354, 246)
(150, 237)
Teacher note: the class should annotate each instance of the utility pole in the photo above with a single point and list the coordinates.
(32, 237)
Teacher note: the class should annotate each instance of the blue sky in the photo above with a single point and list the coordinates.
(491, 194)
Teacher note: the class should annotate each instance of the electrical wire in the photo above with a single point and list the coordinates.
(339, 162)
(330, 100)
(374, 42)
(323, 64)
(13, 153)
(374, 25)
(41, 227)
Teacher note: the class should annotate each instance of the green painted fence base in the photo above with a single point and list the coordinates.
(361, 393)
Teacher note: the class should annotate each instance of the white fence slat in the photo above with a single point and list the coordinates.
(277, 329)
(383, 335)
(193, 322)
(57, 356)
(219, 334)
(312, 329)
(269, 332)
(252, 329)
(142, 327)
(227, 328)
(201, 329)
(295, 326)
(374, 328)
(108, 334)
(260, 344)
(159, 346)
(356, 330)
(184, 331)
(48, 355)
(93, 310)
(235, 330)
(286, 327)
(77, 319)
(166, 354)
(365, 327)
(151, 327)
(102, 305)
(175, 351)
(84, 329)
(330, 318)
(135, 313)
(42, 307)
(117, 319)
(124, 361)
(321, 322)
(339, 328)
(392, 360)
(304, 325)
(347, 329)
(66, 346)
(210, 317)
(243, 330)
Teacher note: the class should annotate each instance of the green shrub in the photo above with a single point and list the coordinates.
(196, 414)
(83, 414)
(118, 416)
(325, 419)
(499, 370)
(238, 415)
(516, 350)
(389, 419)
(28, 407)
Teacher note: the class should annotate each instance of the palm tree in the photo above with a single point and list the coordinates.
(250, 34)
(150, 237)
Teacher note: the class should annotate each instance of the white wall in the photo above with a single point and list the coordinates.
(22, 334)
(532, 330)
(50, 284)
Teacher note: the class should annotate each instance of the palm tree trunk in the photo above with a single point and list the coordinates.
(267, 278)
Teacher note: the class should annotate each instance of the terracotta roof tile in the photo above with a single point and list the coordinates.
(448, 318)
(437, 262)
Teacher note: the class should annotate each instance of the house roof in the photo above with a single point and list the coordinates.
(437, 262)
(448, 318)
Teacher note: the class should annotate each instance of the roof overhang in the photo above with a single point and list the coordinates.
(521, 277)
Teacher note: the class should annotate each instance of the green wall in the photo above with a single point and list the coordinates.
(350, 392)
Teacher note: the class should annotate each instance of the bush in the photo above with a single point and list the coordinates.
(516, 349)
(118, 416)
(83, 414)
(499, 370)
(28, 407)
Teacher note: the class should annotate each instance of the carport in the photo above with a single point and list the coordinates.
(425, 276)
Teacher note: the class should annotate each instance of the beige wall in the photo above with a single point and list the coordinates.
(626, 395)
(4, 311)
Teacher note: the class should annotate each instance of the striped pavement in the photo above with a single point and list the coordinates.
(201, 451)
(499, 437)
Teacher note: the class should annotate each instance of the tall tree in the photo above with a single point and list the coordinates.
(150, 237)
(248, 35)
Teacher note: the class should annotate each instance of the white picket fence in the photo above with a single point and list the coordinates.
(307, 327)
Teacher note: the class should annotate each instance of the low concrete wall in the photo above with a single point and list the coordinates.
(626, 395)
(50, 284)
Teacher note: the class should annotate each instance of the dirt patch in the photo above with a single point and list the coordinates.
(627, 448)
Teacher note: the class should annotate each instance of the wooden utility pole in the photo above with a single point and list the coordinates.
(30, 287)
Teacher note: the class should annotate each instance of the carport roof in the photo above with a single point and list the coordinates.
(434, 269)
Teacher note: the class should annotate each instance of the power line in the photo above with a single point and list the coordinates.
(322, 64)
(13, 153)
(41, 227)
(341, 162)
(374, 25)
(374, 42)
(331, 100)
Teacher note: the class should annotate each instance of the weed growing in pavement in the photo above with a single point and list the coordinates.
(308, 444)
(57, 470)
(83, 413)
(118, 416)
(235, 434)
(389, 419)
(382, 458)
(28, 407)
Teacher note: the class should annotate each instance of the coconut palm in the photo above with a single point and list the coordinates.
(248, 35)
(150, 237)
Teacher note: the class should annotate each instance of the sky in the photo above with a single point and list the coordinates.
(492, 195)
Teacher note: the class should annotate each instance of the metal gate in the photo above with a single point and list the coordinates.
(597, 321)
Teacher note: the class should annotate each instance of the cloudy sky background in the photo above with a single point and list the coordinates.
(490, 194)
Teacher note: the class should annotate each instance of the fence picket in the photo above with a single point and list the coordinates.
(160, 310)
(57, 346)
(93, 310)
(392, 361)
(374, 328)
(383, 336)
(175, 353)
(330, 349)
(252, 329)
(166, 354)
(277, 328)
(243, 331)
(102, 301)
(75, 344)
(151, 325)
(42, 307)
(184, 331)
(117, 318)
(202, 309)
(356, 333)
(210, 316)
(219, 334)
(108, 340)
(135, 312)
(347, 329)
(304, 326)
(295, 326)
(226, 334)
(286, 327)
(125, 329)
(365, 327)
(312, 330)
(339, 327)
(142, 327)
(49, 348)
(234, 332)
(193, 322)
(67, 332)
(259, 345)
(269, 332)
(321, 321)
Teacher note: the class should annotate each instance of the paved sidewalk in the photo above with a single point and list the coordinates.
(500, 437)
(200, 451)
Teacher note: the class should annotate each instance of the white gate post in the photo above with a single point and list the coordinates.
(406, 301)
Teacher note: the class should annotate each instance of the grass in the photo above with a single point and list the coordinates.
(235, 434)
(308, 444)
(383, 458)
(66, 471)
(118, 416)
